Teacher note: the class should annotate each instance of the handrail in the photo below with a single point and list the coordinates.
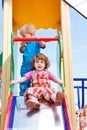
(17, 39)
(66, 111)
(61, 60)
(10, 93)
(78, 87)
(12, 61)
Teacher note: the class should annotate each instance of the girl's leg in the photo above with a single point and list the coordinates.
(57, 97)
(47, 92)
(32, 102)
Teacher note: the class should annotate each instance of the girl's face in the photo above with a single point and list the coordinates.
(39, 64)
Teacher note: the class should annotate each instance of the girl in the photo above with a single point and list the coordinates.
(40, 87)
(29, 50)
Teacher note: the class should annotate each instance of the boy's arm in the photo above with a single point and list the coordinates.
(42, 43)
(22, 79)
(23, 44)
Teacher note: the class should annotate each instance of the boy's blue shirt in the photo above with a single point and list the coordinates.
(31, 49)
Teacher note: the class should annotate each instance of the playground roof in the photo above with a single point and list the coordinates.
(79, 5)
(42, 13)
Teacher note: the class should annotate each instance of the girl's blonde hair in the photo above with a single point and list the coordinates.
(27, 28)
(43, 57)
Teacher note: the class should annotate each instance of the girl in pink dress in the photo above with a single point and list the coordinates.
(40, 83)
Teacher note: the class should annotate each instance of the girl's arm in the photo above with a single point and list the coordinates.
(22, 79)
(58, 81)
(54, 79)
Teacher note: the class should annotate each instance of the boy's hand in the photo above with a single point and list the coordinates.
(42, 43)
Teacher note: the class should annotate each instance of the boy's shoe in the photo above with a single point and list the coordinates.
(59, 98)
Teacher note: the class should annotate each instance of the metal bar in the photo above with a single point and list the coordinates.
(17, 39)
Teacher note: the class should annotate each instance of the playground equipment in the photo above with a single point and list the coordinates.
(16, 108)
(43, 14)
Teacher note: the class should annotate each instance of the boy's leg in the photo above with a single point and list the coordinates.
(23, 87)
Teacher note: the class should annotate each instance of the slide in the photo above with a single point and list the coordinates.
(49, 116)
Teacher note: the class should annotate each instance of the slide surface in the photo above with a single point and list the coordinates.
(49, 116)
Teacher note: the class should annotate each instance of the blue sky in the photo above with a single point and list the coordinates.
(1, 25)
(78, 39)
(79, 43)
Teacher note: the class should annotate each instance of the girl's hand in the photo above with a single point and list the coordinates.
(60, 82)
(13, 82)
